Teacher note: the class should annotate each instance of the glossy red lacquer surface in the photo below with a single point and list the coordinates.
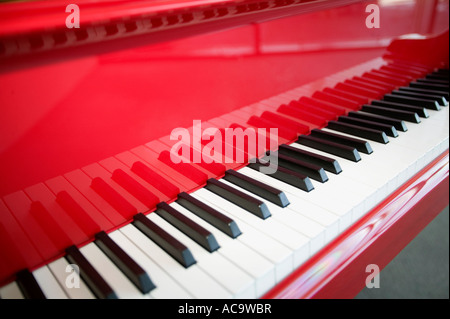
(69, 115)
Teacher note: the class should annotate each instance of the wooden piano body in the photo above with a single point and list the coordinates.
(133, 71)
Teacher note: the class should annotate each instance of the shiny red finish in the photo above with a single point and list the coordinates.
(339, 270)
(75, 102)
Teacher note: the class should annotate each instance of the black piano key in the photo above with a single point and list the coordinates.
(125, 263)
(443, 94)
(194, 231)
(328, 164)
(209, 214)
(396, 114)
(247, 202)
(89, 274)
(437, 76)
(429, 104)
(167, 242)
(361, 145)
(398, 124)
(261, 189)
(360, 131)
(442, 72)
(28, 285)
(340, 150)
(433, 81)
(439, 99)
(390, 130)
(311, 170)
(421, 111)
(428, 86)
(288, 176)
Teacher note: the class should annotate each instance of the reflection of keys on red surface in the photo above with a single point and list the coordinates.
(78, 214)
(54, 231)
(135, 188)
(151, 157)
(116, 200)
(112, 164)
(284, 122)
(360, 87)
(186, 169)
(19, 204)
(17, 249)
(96, 170)
(151, 177)
(82, 183)
(338, 100)
(352, 96)
(46, 203)
(60, 185)
(11, 259)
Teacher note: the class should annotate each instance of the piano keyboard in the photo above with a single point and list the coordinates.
(238, 236)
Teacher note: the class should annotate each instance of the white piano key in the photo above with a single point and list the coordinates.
(405, 155)
(270, 248)
(166, 287)
(11, 291)
(49, 285)
(313, 232)
(260, 268)
(270, 226)
(313, 212)
(341, 209)
(193, 279)
(61, 269)
(373, 173)
(357, 172)
(237, 282)
(112, 275)
(359, 195)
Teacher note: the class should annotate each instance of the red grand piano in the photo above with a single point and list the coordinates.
(101, 100)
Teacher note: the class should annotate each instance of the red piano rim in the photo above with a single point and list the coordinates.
(338, 271)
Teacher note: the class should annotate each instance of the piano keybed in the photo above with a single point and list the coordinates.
(346, 143)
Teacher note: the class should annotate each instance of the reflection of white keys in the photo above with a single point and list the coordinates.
(11, 291)
(189, 278)
(260, 268)
(123, 288)
(263, 243)
(49, 285)
(73, 288)
(237, 282)
(166, 287)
